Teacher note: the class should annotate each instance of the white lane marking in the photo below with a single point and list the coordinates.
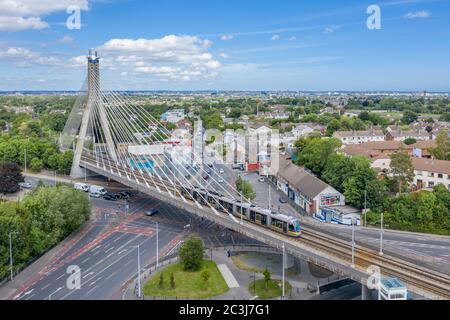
(87, 275)
(85, 260)
(94, 282)
(45, 287)
(87, 293)
(60, 276)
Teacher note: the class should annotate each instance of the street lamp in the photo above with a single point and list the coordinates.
(139, 271)
(157, 245)
(282, 296)
(242, 203)
(11, 254)
(381, 235)
(353, 243)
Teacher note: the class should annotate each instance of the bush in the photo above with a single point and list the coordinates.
(36, 164)
(191, 254)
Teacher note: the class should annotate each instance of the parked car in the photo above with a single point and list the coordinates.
(82, 187)
(111, 196)
(261, 179)
(221, 171)
(95, 195)
(151, 212)
(206, 177)
(220, 180)
(283, 200)
(97, 189)
(25, 185)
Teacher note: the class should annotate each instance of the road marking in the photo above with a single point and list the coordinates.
(111, 275)
(94, 282)
(87, 275)
(87, 293)
(60, 277)
(85, 260)
(45, 287)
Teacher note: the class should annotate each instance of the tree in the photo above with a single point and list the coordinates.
(36, 164)
(172, 281)
(316, 153)
(267, 276)
(442, 150)
(409, 141)
(205, 275)
(191, 254)
(245, 188)
(409, 117)
(10, 177)
(402, 169)
(161, 280)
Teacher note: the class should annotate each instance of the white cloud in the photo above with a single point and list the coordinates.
(171, 57)
(18, 15)
(293, 38)
(20, 23)
(330, 29)
(226, 37)
(223, 55)
(417, 14)
(22, 57)
(275, 37)
(67, 39)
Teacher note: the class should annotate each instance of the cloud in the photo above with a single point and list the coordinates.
(22, 57)
(293, 38)
(171, 57)
(227, 37)
(275, 37)
(330, 29)
(223, 55)
(418, 14)
(67, 39)
(18, 15)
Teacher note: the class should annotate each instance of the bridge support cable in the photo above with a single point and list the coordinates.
(189, 174)
(182, 183)
(166, 131)
(158, 124)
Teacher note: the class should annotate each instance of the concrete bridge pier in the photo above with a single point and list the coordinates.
(366, 293)
(289, 261)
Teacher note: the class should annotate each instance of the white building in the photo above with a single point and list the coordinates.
(430, 172)
(301, 131)
(392, 289)
(357, 137)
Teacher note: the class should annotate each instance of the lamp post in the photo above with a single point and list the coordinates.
(282, 295)
(381, 235)
(157, 245)
(11, 255)
(365, 208)
(353, 243)
(139, 271)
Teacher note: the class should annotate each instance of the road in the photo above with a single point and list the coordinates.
(106, 253)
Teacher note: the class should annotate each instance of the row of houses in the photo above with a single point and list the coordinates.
(428, 172)
(310, 195)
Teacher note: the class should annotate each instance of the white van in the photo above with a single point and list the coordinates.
(97, 189)
(82, 187)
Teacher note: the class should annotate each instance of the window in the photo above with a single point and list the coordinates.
(431, 174)
(431, 184)
(448, 177)
(440, 175)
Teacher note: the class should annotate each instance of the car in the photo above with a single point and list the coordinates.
(282, 200)
(210, 165)
(150, 212)
(123, 195)
(25, 185)
(206, 177)
(221, 171)
(82, 187)
(110, 196)
(94, 195)
(261, 179)
(220, 180)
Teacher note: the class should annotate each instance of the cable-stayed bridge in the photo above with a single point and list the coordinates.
(117, 136)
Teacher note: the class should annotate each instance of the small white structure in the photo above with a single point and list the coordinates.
(392, 289)
(173, 116)
(301, 131)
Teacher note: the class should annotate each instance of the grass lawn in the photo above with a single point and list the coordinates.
(187, 284)
(241, 264)
(273, 289)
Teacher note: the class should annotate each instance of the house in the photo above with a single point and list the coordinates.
(301, 130)
(401, 135)
(430, 172)
(306, 192)
(357, 137)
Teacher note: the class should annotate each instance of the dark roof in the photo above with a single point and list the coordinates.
(299, 178)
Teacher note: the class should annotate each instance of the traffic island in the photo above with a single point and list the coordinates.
(270, 289)
(202, 284)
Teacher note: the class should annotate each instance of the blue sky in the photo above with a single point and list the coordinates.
(232, 45)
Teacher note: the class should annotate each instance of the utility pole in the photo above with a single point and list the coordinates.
(381, 235)
(365, 208)
(241, 208)
(11, 255)
(282, 297)
(157, 245)
(139, 271)
(55, 178)
(25, 159)
(353, 243)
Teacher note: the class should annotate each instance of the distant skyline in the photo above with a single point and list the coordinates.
(227, 45)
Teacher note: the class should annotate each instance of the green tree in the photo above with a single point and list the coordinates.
(36, 164)
(409, 141)
(409, 117)
(267, 277)
(10, 177)
(172, 281)
(442, 150)
(191, 254)
(316, 153)
(205, 275)
(161, 280)
(402, 169)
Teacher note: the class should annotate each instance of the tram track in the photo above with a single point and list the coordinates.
(427, 280)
